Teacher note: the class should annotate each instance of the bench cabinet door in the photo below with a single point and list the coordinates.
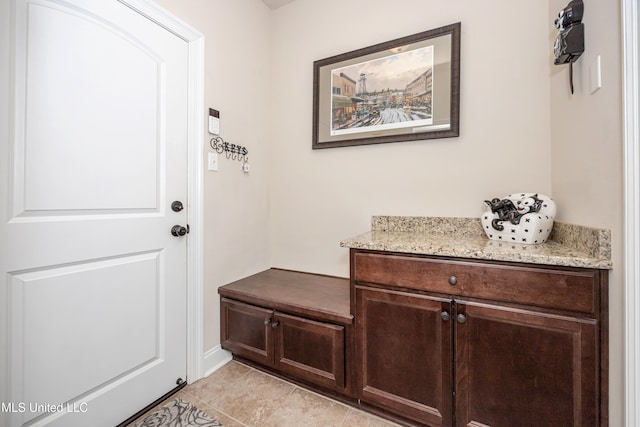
(246, 331)
(310, 350)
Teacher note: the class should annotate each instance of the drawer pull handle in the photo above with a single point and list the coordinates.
(275, 324)
(445, 315)
(453, 280)
(462, 318)
(267, 322)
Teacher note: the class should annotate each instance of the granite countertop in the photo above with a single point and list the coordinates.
(569, 245)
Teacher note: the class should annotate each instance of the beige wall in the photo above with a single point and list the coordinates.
(237, 84)
(587, 158)
(320, 197)
(297, 203)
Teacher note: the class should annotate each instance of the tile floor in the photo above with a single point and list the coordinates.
(238, 395)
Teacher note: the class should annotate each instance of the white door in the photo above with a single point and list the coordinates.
(93, 151)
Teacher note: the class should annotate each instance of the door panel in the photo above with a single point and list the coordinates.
(93, 150)
(86, 137)
(246, 330)
(74, 335)
(404, 354)
(517, 367)
(310, 350)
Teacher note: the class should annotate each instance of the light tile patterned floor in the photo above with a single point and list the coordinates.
(240, 396)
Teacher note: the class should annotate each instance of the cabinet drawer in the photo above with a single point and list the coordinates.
(557, 288)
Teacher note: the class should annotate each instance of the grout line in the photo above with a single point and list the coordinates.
(243, 375)
(350, 409)
(232, 418)
(295, 386)
(213, 408)
(346, 417)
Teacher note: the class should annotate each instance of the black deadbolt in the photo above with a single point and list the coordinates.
(177, 206)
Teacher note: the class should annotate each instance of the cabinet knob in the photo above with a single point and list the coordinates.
(445, 315)
(266, 322)
(453, 280)
(275, 324)
(461, 318)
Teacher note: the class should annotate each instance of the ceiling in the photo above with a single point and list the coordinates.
(274, 4)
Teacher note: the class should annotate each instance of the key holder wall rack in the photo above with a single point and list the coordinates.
(231, 151)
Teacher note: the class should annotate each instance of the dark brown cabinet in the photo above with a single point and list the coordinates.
(446, 342)
(525, 368)
(296, 324)
(436, 341)
(404, 354)
(307, 349)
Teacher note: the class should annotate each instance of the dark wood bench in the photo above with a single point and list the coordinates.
(296, 324)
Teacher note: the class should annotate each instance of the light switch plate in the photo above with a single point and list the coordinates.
(213, 162)
(595, 74)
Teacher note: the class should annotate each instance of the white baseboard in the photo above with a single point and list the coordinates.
(214, 359)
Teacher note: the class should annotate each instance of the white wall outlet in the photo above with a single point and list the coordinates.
(213, 162)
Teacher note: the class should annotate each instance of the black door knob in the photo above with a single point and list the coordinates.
(178, 230)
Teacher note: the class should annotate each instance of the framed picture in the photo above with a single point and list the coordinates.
(401, 90)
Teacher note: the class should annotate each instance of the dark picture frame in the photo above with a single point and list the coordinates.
(401, 90)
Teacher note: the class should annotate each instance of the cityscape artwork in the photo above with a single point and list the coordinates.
(406, 89)
(385, 93)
